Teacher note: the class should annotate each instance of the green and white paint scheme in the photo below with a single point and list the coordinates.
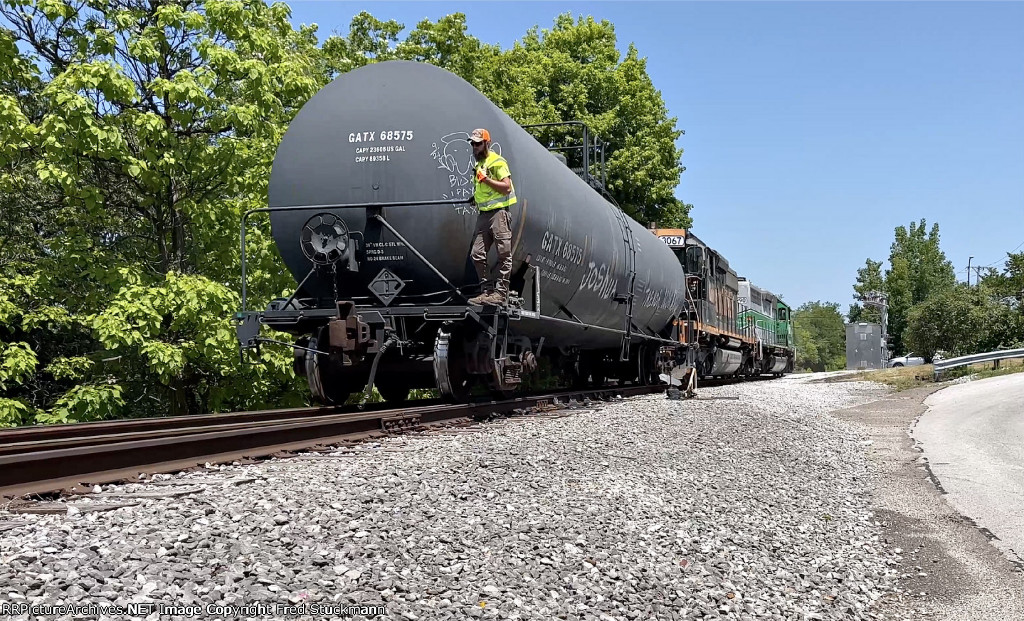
(770, 316)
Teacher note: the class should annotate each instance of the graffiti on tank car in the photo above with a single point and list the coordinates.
(672, 299)
(658, 298)
(555, 276)
(652, 298)
(455, 155)
(599, 279)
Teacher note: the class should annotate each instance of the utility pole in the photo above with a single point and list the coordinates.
(969, 259)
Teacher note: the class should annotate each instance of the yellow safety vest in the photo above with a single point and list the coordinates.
(486, 197)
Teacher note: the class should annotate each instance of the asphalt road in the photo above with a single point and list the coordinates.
(973, 438)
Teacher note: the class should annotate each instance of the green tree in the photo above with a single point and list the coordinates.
(446, 44)
(369, 40)
(144, 130)
(960, 320)
(918, 269)
(820, 337)
(1007, 284)
(1007, 288)
(869, 279)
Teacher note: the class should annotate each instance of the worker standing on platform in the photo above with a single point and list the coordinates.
(493, 195)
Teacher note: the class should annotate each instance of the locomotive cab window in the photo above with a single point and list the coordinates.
(694, 260)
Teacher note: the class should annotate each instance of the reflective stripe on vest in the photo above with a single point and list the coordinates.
(504, 201)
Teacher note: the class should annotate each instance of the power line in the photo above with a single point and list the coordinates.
(1002, 259)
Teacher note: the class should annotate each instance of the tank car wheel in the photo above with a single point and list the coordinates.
(299, 357)
(453, 380)
(645, 359)
(325, 381)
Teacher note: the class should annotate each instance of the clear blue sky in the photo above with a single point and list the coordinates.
(813, 128)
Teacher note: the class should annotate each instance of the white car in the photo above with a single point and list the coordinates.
(910, 360)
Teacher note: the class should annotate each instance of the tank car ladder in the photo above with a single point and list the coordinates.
(629, 256)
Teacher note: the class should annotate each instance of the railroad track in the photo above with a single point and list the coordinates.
(36, 460)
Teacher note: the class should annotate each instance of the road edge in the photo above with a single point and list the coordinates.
(948, 567)
(1011, 556)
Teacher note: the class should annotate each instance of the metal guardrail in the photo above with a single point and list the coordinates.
(992, 356)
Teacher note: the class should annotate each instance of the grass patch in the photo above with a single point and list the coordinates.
(900, 378)
(903, 378)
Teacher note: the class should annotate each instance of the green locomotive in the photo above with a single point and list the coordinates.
(770, 319)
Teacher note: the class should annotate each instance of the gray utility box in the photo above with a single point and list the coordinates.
(864, 346)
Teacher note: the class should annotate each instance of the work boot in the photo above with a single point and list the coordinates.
(492, 299)
(479, 300)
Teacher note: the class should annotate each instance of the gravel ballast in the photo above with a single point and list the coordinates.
(747, 508)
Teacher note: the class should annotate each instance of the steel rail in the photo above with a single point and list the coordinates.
(97, 428)
(167, 432)
(27, 439)
(114, 459)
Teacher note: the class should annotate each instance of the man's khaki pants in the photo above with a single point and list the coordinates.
(493, 228)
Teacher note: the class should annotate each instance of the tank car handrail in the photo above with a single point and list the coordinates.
(248, 213)
(598, 145)
(556, 124)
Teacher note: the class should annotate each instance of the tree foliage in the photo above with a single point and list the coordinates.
(929, 312)
(1008, 285)
(134, 134)
(869, 280)
(917, 269)
(141, 131)
(574, 71)
(960, 320)
(820, 337)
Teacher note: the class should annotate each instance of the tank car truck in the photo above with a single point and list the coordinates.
(370, 209)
